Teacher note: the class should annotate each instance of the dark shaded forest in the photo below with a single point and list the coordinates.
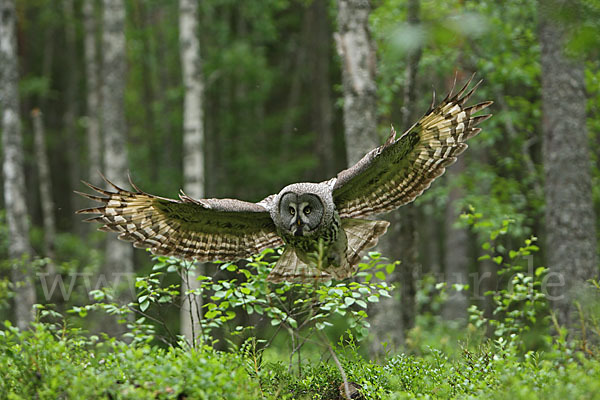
(491, 267)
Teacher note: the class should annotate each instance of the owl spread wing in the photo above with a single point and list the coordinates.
(397, 172)
(202, 230)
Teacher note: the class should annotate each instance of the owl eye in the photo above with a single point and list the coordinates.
(307, 210)
(292, 210)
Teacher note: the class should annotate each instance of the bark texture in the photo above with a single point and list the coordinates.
(570, 220)
(13, 167)
(118, 267)
(456, 254)
(94, 144)
(401, 240)
(357, 54)
(193, 145)
(321, 104)
(71, 141)
(45, 180)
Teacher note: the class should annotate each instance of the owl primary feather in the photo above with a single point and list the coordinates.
(322, 226)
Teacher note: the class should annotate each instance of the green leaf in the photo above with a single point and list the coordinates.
(144, 306)
(380, 275)
(349, 301)
(361, 303)
(498, 260)
(373, 299)
(390, 268)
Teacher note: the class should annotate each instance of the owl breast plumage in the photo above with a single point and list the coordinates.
(322, 226)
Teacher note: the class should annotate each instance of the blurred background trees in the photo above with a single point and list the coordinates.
(292, 90)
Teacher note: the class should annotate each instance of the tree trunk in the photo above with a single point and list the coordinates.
(570, 221)
(193, 146)
(357, 54)
(13, 168)
(118, 268)
(456, 254)
(46, 201)
(71, 145)
(321, 105)
(94, 143)
(401, 241)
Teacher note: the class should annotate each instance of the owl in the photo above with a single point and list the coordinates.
(322, 227)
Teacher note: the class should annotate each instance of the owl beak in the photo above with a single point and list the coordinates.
(299, 230)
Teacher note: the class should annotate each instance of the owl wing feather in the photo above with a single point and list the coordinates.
(395, 173)
(201, 230)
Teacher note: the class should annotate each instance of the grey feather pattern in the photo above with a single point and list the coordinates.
(400, 170)
(202, 230)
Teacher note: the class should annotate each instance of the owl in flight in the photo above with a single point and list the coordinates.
(323, 226)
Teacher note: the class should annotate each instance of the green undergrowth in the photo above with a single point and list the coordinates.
(312, 339)
(50, 362)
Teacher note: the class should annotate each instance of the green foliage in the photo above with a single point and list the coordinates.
(49, 362)
(55, 359)
(235, 291)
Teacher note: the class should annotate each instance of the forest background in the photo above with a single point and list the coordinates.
(238, 99)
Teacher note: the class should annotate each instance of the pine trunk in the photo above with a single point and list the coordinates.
(43, 168)
(570, 220)
(456, 254)
(13, 168)
(401, 241)
(118, 268)
(94, 144)
(193, 147)
(321, 104)
(71, 142)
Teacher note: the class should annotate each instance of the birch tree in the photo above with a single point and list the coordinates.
(193, 145)
(570, 220)
(357, 54)
(119, 254)
(13, 168)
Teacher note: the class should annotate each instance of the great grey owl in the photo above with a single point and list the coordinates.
(322, 226)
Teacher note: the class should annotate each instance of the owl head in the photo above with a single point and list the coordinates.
(302, 209)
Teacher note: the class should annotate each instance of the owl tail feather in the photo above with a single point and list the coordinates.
(289, 268)
(362, 234)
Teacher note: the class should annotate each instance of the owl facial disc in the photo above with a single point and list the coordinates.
(301, 214)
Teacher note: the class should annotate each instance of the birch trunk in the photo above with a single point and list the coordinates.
(193, 147)
(118, 268)
(13, 168)
(94, 144)
(357, 54)
(570, 220)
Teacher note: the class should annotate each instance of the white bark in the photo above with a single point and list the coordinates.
(92, 92)
(357, 54)
(119, 255)
(12, 167)
(193, 145)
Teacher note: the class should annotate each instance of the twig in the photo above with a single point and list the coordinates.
(338, 364)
